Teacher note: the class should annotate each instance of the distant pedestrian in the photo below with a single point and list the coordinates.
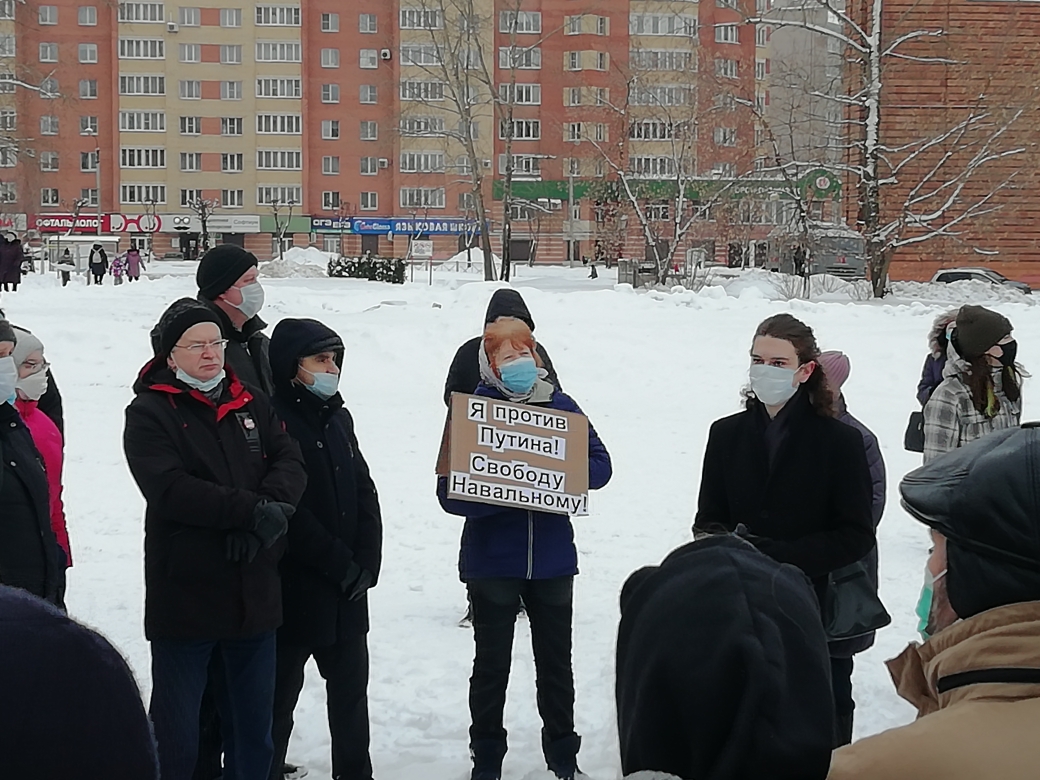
(98, 263)
(938, 344)
(118, 269)
(65, 265)
(134, 264)
(10, 264)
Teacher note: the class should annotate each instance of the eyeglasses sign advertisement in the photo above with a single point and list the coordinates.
(508, 454)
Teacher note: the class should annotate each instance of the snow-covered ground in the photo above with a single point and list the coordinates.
(651, 370)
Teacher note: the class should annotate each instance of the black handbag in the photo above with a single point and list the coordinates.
(913, 439)
(851, 607)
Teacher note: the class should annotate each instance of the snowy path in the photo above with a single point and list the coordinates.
(651, 371)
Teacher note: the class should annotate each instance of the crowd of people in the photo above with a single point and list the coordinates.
(263, 537)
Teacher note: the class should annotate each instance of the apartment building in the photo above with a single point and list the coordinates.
(351, 127)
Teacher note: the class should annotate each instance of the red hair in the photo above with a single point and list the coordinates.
(511, 331)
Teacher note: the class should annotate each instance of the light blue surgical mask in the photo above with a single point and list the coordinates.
(519, 375)
(8, 379)
(924, 603)
(204, 387)
(325, 385)
(772, 385)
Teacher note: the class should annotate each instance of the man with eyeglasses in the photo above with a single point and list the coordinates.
(221, 479)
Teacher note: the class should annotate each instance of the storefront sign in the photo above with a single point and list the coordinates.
(407, 226)
(63, 223)
(331, 225)
(184, 223)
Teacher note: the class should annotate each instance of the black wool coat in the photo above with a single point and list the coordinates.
(812, 509)
(202, 468)
(338, 522)
(30, 557)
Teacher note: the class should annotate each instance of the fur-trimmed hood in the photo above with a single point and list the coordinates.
(937, 341)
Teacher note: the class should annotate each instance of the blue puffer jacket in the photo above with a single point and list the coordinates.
(504, 542)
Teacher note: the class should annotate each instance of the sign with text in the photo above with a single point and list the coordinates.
(509, 454)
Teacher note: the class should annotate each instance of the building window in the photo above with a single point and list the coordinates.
(369, 131)
(145, 121)
(278, 51)
(422, 162)
(141, 85)
(330, 129)
(48, 14)
(522, 130)
(330, 58)
(369, 58)
(329, 201)
(278, 88)
(191, 161)
(726, 69)
(87, 15)
(190, 90)
(88, 161)
(8, 156)
(230, 17)
(662, 24)
(520, 22)
(652, 167)
(231, 125)
(48, 161)
(368, 93)
(142, 49)
(422, 197)
(726, 33)
(367, 23)
(510, 58)
(142, 12)
(49, 88)
(602, 60)
(278, 16)
(88, 125)
(330, 22)
(48, 51)
(330, 93)
(190, 17)
(231, 54)
(8, 192)
(762, 36)
(525, 165)
(425, 91)
(369, 166)
(191, 125)
(572, 132)
(48, 124)
(267, 195)
(49, 196)
(190, 52)
(89, 196)
(421, 19)
(232, 162)
(7, 9)
(369, 201)
(279, 124)
(466, 201)
(726, 3)
(232, 199)
(142, 157)
(725, 136)
(279, 160)
(231, 90)
(9, 121)
(422, 126)
(521, 94)
(88, 53)
(190, 197)
(760, 70)
(330, 165)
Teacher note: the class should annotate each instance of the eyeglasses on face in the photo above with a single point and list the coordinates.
(197, 349)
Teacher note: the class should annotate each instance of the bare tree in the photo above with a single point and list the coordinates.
(279, 209)
(907, 191)
(203, 208)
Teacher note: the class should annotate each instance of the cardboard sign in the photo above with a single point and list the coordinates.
(509, 454)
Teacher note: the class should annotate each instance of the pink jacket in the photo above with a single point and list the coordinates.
(51, 446)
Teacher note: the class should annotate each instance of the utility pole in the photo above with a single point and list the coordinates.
(570, 216)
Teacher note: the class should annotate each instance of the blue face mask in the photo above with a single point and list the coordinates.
(924, 603)
(520, 375)
(325, 385)
(198, 384)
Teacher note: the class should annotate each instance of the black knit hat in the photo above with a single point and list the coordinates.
(983, 497)
(7, 332)
(220, 268)
(978, 329)
(181, 315)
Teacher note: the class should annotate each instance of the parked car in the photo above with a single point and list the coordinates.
(172, 256)
(948, 275)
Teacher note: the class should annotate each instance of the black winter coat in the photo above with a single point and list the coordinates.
(338, 521)
(30, 557)
(98, 261)
(247, 350)
(464, 373)
(202, 469)
(812, 509)
(51, 404)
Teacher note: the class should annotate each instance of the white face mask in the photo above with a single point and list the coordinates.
(252, 299)
(198, 384)
(772, 385)
(8, 380)
(33, 386)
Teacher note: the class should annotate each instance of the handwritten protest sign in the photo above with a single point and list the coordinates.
(508, 454)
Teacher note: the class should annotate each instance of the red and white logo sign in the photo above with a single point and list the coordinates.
(136, 223)
(63, 223)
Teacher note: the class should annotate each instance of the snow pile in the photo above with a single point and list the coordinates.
(308, 256)
(287, 269)
(967, 291)
(469, 258)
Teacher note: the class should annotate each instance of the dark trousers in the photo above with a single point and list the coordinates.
(64, 278)
(98, 278)
(10, 286)
(179, 674)
(549, 610)
(344, 667)
(844, 705)
(209, 764)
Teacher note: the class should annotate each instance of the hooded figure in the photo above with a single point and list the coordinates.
(938, 343)
(976, 681)
(722, 668)
(464, 374)
(334, 548)
(98, 261)
(10, 264)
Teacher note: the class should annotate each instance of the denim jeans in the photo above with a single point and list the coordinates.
(549, 609)
(246, 701)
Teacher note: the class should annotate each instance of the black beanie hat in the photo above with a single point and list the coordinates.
(181, 315)
(7, 332)
(985, 499)
(978, 329)
(220, 268)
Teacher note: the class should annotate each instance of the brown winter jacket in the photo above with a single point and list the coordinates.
(972, 730)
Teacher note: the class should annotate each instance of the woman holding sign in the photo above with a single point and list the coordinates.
(511, 553)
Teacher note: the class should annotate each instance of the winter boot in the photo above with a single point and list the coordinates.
(487, 755)
(561, 756)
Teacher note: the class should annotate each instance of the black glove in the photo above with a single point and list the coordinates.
(365, 581)
(242, 546)
(353, 572)
(271, 521)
